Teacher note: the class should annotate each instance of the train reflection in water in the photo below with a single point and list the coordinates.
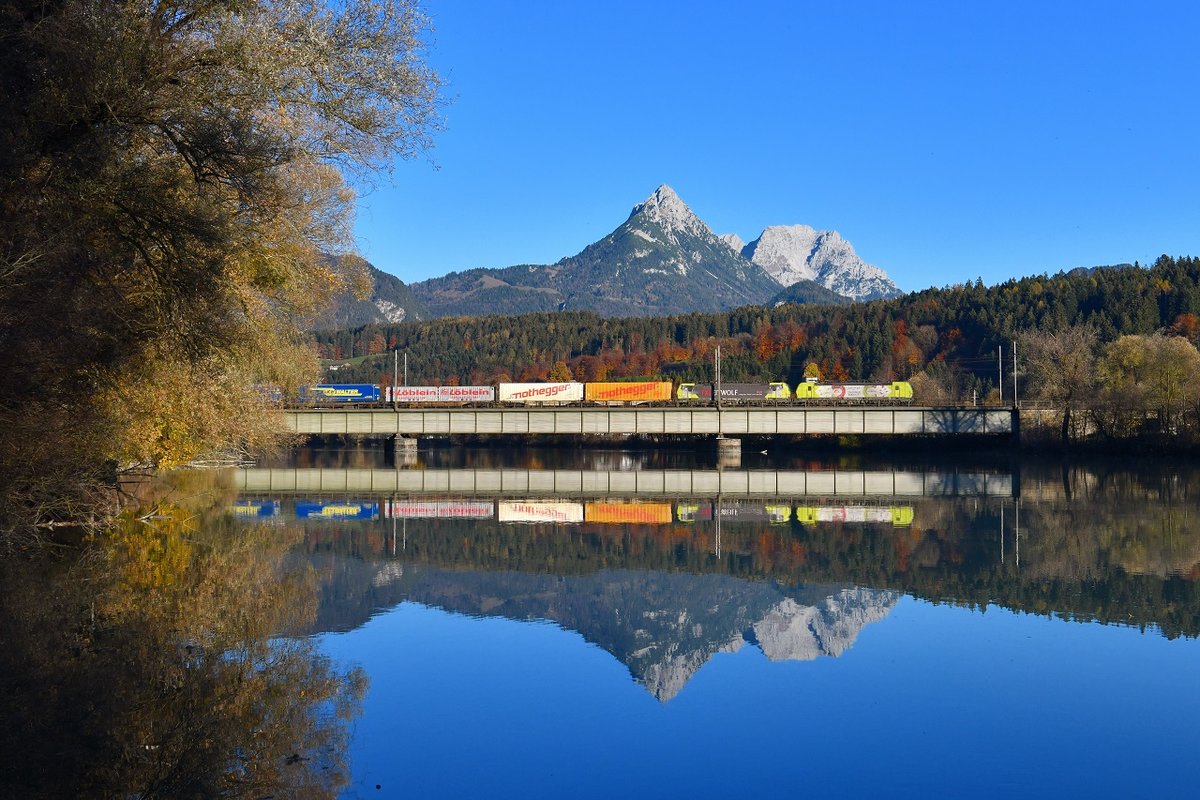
(555, 511)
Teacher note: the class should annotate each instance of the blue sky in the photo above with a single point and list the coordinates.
(947, 141)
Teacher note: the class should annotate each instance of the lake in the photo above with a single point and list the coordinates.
(983, 628)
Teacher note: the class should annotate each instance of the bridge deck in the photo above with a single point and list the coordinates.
(595, 483)
(784, 420)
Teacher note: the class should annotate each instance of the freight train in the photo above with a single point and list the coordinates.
(562, 511)
(606, 393)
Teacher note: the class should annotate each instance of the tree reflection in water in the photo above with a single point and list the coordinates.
(1090, 543)
(151, 663)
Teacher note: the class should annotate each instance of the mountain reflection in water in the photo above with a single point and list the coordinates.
(663, 626)
(177, 657)
(665, 584)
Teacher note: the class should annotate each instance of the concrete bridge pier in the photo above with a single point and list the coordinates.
(729, 452)
(405, 451)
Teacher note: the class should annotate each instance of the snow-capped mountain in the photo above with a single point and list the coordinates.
(793, 631)
(664, 626)
(791, 253)
(786, 630)
(662, 260)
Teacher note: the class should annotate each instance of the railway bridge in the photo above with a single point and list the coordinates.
(682, 421)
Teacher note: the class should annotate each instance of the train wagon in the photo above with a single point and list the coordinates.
(852, 392)
(620, 393)
(693, 512)
(538, 511)
(735, 392)
(441, 395)
(897, 516)
(772, 513)
(540, 394)
(319, 509)
(439, 509)
(255, 508)
(628, 513)
(340, 393)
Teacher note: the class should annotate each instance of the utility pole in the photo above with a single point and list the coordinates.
(718, 372)
(729, 451)
(717, 391)
(717, 524)
(1014, 372)
(1000, 366)
(395, 379)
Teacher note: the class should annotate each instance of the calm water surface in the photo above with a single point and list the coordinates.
(989, 630)
(1038, 642)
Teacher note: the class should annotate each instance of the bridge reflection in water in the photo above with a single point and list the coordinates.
(577, 496)
(594, 483)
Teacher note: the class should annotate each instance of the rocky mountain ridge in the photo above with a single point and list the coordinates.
(667, 626)
(663, 260)
(390, 301)
(792, 253)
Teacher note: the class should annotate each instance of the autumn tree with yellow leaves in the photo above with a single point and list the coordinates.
(173, 200)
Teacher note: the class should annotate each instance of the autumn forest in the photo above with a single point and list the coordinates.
(948, 342)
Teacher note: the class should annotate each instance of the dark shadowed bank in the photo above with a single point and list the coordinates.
(150, 661)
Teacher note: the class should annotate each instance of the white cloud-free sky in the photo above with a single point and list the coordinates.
(946, 140)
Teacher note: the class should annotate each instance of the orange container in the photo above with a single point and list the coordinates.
(628, 513)
(627, 392)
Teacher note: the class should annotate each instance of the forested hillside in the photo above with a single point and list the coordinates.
(951, 334)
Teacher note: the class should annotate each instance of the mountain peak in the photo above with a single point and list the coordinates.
(668, 210)
(664, 195)
(791, 253)
(665, 260)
